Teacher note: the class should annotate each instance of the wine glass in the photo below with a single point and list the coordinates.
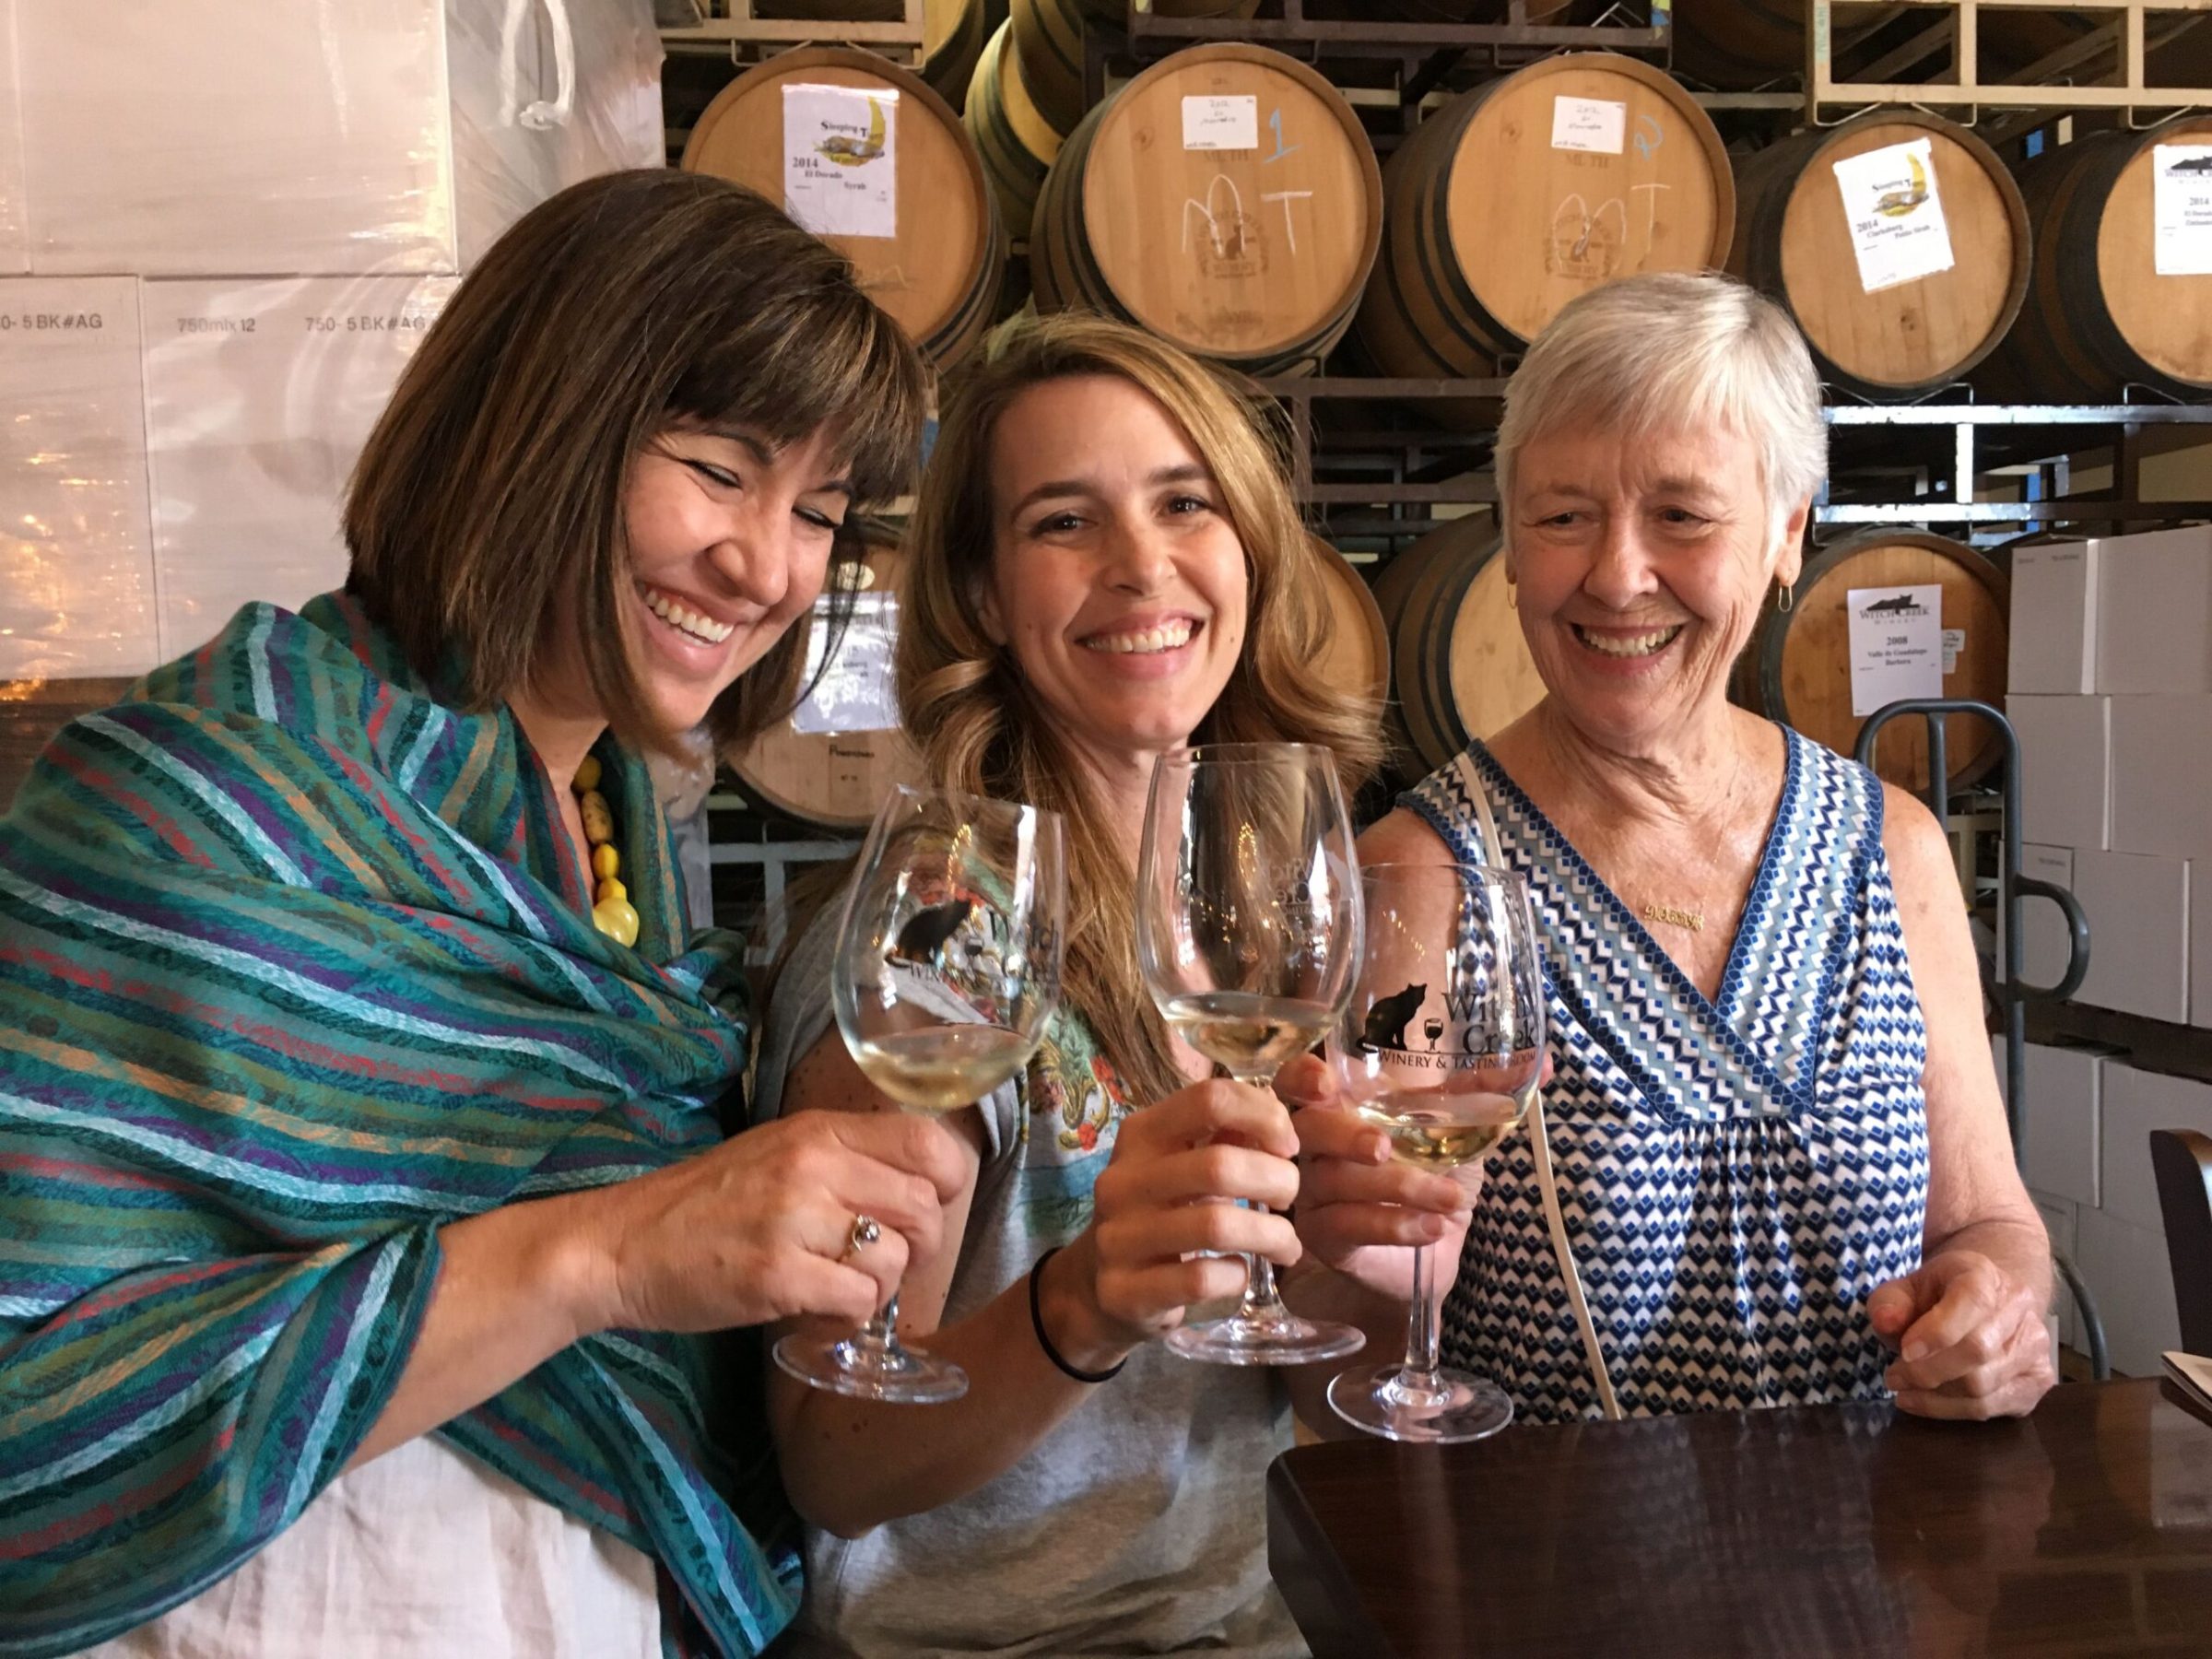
(948, 969)
(1247, 935)
(1456, 943)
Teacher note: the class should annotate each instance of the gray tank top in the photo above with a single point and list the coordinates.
(1138, 1526)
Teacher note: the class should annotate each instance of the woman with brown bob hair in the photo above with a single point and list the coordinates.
(361, 1189)
(1105, 562)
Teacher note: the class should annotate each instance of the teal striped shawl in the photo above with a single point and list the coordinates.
(294, 967)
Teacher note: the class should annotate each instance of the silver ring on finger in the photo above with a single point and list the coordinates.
(866, 1230)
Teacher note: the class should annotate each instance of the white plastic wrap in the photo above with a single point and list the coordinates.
(236, 136)
(546, 93)
(76, 590)
(258, 398)
(15, 256)
(278, 137)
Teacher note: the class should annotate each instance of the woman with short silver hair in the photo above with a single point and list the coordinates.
(1771, 1166)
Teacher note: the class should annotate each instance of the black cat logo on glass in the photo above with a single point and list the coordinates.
(921, 943)
(1387, 1017)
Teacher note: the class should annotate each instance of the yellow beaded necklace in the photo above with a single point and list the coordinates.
(612, 913)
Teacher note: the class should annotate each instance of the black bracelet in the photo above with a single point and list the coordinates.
(1044, 1342)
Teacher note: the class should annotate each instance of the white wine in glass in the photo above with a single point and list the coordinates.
(948, 956)
(1455, 947)
(1247, 933)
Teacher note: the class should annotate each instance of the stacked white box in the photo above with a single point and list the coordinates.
(259, 397)
(237, 137)
(243, 141)
(2154, 613)
(2061, 1118)
(2162, 774)
(2053, 621)
(76, 596)
(2138, 914)
(15, 256)
(2136, 1102)
(2065, 768)
(2132, 1278)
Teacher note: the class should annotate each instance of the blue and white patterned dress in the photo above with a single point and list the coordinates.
(1735, 1176)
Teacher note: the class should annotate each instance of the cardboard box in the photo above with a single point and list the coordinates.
(241, 137)
(2066, 769)
(2136, 1102)
(77, 578)
(2154, 613)
(2052, 623)
(237, 136)
(2059, 1135)
(2163, 776)
(259, 397)
(2130, 1274)
(2046, 942)
(2139, 912)
(2043, 939)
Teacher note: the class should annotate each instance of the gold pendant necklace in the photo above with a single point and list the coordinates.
(1694, 921)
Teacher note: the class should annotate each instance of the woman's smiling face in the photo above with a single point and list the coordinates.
(1641, 564)
(1117, 582)
(729, 541)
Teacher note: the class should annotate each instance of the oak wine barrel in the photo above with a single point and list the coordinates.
(1519, 194)
(938, 274)
(1797, 667)
(1015, 141)
(833, 779)
(1357, 657)
(2098, 315)
(1255, 256)
(1460, 665)
(1797, 236)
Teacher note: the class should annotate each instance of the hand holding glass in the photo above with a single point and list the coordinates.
(1449, 951)
(947, 968)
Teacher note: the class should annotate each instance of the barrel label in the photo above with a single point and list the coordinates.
(854, 692)
(1895, 646)
(841, 159)
(1230, 121)
(1898, 231)
(1597, 124)
(2182, 209)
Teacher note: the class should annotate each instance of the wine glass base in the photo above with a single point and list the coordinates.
(1284, 1339)
(1389, 1401)
(864, 1370)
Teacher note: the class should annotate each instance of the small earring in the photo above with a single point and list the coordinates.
(1512, 593)
(1784, 597)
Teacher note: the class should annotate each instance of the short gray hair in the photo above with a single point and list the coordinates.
(1668, 349)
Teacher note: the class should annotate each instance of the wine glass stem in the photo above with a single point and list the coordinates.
(880, 1331)
(1423, 1326)
(1263, 1303)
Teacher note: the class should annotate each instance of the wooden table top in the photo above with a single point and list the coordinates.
(1849, 1530)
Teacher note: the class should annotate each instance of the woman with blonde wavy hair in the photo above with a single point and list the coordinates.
(1105, 563)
